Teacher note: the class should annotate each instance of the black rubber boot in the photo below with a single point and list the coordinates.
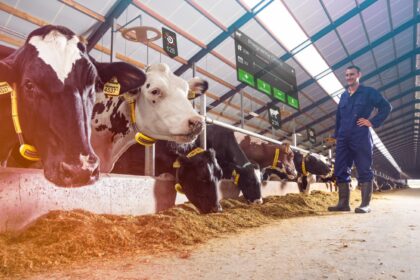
(366, 189)
(343, 198)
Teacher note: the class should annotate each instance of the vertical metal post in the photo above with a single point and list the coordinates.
(242, 109)
(203, 101)
(330, 154)
(149, 167)
(294, 139)
(113, 39)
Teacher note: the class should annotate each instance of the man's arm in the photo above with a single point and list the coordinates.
(384, 108)
(337, 122)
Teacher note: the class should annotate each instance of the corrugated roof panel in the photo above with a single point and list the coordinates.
(365, 62)
(404, 42)
(227, 48)
(389, 74)
(384, 53)
(309, 14)
(338, 8)
(376, 20)
(353, 35)
(374, 82)
(227, 12)
(405, 68)
(330, 48)
(254, 30)
(401, 10)
(99, 6)
(301, 75)
(21, 26)
(39, 9)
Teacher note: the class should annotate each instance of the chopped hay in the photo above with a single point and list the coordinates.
(69, 237)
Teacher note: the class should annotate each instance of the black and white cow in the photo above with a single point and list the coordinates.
(162, 111)
(56, 84)
(231, 158)
(198, 174)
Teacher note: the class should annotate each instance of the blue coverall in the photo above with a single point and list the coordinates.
(354, 143)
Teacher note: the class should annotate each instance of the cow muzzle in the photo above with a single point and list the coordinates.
(86, 171)
(195, 125)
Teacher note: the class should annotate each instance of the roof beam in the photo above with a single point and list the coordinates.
(313, 38)
(343, 62)
(118, 8)
(219, 39)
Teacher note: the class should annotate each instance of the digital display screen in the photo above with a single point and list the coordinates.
(262, 70)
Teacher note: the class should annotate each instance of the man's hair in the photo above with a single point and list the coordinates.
(354, 67)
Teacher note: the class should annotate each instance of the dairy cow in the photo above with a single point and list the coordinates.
(55, 84)
(274, 159)
(234, 162)
(159, 109)
(196, 171)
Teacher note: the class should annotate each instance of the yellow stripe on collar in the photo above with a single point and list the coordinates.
(235, 176)
(144, 140)
(195, 152)
(304, 172)
(276, 157)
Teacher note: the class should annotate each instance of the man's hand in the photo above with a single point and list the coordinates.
(364, 122)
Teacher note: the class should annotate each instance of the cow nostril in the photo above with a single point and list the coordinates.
(195, 124)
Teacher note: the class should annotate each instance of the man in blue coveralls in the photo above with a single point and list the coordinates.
(354, 141)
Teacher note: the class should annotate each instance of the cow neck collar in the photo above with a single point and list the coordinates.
(177, 165)
(140, 137)
(27, 151)
(304, 171)
(330, 174)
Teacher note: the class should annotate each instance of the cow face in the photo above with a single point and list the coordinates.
(250, 182)
(199, 176)
(316, 166)
(55, 84)
(164, 112)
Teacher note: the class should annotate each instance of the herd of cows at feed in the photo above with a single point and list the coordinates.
(79, 129)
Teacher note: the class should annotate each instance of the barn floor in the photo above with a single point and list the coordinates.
(384, 244)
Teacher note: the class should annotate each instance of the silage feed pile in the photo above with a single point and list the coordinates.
(62, 238)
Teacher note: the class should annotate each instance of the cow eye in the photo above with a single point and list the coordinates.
(29, 86)
(155, 91)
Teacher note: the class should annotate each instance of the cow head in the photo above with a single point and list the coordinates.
(163, 110)
(316, 165)
(55, 86)
(199, 176)
(286, 159)
(249, 181)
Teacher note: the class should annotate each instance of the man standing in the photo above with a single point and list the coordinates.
(354, 141)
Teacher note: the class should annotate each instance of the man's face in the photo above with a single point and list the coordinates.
(352, 77)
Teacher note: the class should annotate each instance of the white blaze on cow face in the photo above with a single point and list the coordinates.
(57, 51)
(164, 111)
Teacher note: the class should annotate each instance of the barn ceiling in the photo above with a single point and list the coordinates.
(379, 36)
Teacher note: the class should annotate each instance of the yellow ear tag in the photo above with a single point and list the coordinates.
(176, 164)
(191, 94)
(178, 188)
(235, 176)
(29, 152)
(112, 88)
(5, 88)
(144, 139)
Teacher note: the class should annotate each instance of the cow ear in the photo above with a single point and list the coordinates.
(198, 87)
(7, 70)
(128, 76)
